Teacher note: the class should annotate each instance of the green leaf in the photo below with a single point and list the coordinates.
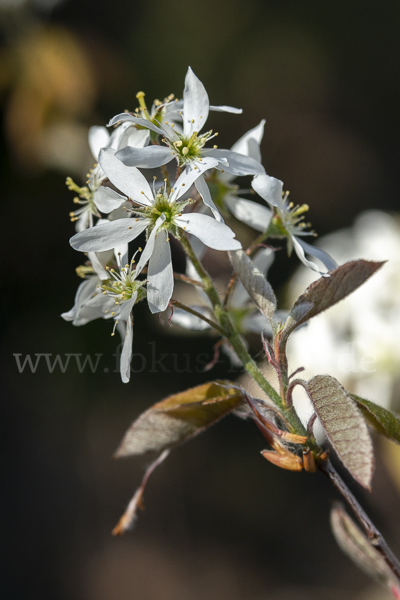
(344, 425)
(356, 545)
(254, 282)
(179, 417)
(382, 419)
(327, 291)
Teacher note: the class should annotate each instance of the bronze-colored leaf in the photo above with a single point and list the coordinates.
(344, 425)
(383, 420)
(356, 545)
(327, 291)
(254, 282)
(179, 417)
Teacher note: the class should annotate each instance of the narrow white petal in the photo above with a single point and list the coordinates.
(239, 164)
(137, 138)
(301, 247)
(212, 233)
(149, 248)
(108, 236)
(84, 292)
(204, 192)
(149, 157)
(97, 266)
(190, 175)
(136, 120)
(249, 143)
(107, 199)
(229, 109)
(120, 134)
(298, 248)
(126, 308)
(127, 179)
(126, 354)
(97, 307)
(269, 188)
(195, 104)
(249, 212)
(98, 138)
(160, 275)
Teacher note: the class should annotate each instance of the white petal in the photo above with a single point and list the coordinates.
(195, 104)
(150, 157)
(190, 175)
(97, 266)
(137, 138)
(238, 163)
(126, 354)
(249, 212)
(212, 233)
(249, 143)
(136, 120)
(108, 236)
(125, 308)
(160, 275)
(204, 192)
(301, 247)
(84, 292)
(127, 179)
(119, 134)
(98, 307)
(269, 188)
(149, 248)
(98, 138)
(229, 109)
(107, 199)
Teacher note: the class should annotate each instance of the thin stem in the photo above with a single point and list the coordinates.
(198, 315)
(230, 332)
(375, 537)
(181, 277)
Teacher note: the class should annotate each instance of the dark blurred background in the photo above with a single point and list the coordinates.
(219, 522)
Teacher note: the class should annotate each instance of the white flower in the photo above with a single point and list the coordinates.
(286, 220)
(160, 214)
(186, 145)
(106, 294)
(95, 198)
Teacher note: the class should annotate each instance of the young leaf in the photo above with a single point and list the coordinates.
(357, 547)
(327, 291)
(385, 422)
(344, 425)
(179, 417)
(254, 282)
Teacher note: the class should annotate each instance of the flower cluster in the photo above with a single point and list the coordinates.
(195, 190)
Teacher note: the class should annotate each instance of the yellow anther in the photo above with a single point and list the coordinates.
(185, 150)
(178, 144)
(192, 120)
(215, 147)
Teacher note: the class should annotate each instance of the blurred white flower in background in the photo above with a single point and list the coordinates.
(358, 340)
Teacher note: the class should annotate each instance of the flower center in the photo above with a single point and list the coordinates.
(290, 219)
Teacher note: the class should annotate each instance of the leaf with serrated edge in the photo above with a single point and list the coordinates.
(385, 421)
(344, 425)
(327, 291)
(179, 417)
(357, 547)
(254, 282)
